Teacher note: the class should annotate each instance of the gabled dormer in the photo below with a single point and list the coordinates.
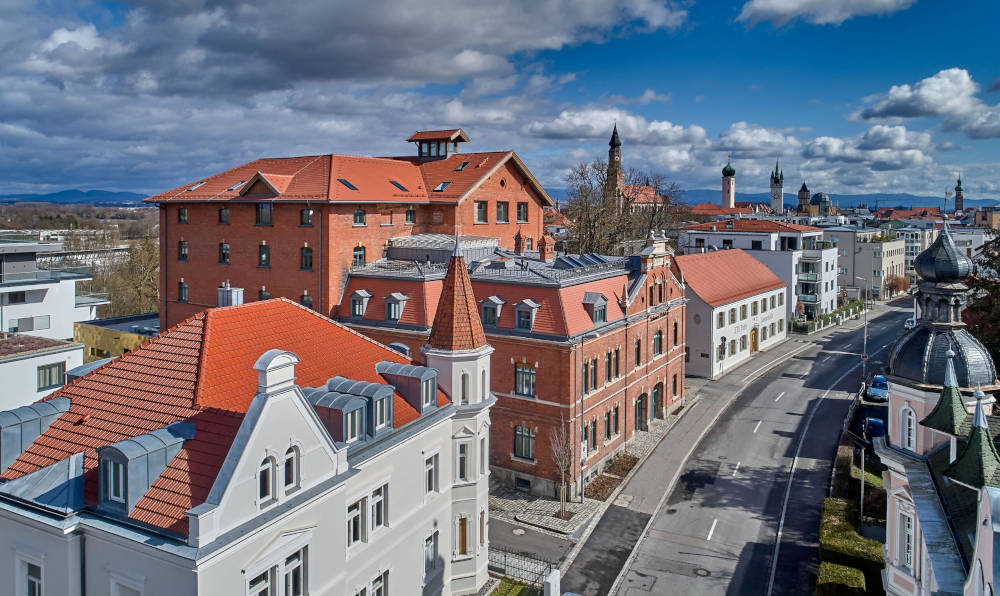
(596, 306)
(437, 144)
(353, 411)
(128, 468)
(21, 426)
(266, 185)
(524, 314)
(417, 384)
(491, 308)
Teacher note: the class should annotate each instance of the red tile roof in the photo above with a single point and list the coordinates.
(456, 323)
(201, 370)
(911, 213)
(435, 135)
(724, 276)
(713, 209)
(750, 225)
(318, 178)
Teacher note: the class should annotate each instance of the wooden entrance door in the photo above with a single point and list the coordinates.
(753, 340)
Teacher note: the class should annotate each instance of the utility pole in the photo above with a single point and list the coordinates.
(864, 349)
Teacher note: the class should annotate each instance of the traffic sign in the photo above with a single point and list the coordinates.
(864, 356)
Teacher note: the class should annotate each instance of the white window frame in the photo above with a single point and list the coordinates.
(382, 581)
(21, 561)
(381, 412)
(110, 466)
(362, 510)
(293, 453)
(352, 426)
(268, 464)
(120, 579)
(907, 428)
(906, 541)
(428, 392)
(483, 456)
(462, 463)
(456, 554)
(432, 465)
(431, 553)
(286, 568)
(379, 507)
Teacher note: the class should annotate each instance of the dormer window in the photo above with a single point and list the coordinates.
(491, 310)
(428, 392)
(352, 426)
(394, 304)
(381, 412)
(525, 314)
(114, 481)
(359, 302)
(265, 482)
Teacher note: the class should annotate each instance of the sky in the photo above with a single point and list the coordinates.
(853, 96)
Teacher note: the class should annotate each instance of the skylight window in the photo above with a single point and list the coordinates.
(442, 186)
(399, 186)
(461, 166)
(237, 185)
(347, 184)
(197, 186)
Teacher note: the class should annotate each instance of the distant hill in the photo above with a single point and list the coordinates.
(704, 195)
(94, 197)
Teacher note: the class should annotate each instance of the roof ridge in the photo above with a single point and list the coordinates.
(199, 378)
(342, 326)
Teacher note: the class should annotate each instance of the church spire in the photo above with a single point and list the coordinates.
(615, 141)
(979, 463)
(456, 323)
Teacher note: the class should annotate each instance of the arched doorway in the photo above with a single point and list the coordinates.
(642, 413)
(753, 340)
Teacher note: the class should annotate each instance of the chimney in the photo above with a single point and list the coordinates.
(519, 242)
(546, 248)
(230, 296)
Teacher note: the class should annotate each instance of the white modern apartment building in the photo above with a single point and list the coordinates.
(257, 449)
(916, 240)
(796, 254)
(42, 302)
(736, 307)
(874, 254)
(32, 367)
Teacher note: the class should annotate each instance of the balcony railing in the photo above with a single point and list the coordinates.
(91, 299)
(810, 298)
(809, 277)
(47, 275)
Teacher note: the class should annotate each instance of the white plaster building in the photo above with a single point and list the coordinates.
(735, 309)
(32, 367)
(862, 252)
(42, 302)
(270, 450)
(796, 254)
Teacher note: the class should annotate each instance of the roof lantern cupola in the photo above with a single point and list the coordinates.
(943, 262)
(979, 463)
(437, 144)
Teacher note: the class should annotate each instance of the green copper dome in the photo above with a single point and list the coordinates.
(729, 170)
(958, 186)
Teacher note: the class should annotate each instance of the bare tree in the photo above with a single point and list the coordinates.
(562, 455)
(605, 217)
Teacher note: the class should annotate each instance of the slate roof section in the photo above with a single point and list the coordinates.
(456, 323)
(200, 371)
(724, 276)
(949, 414)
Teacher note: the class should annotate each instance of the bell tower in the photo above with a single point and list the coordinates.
(614, 180)
(777, 189)
(959, 196)
(729, 185)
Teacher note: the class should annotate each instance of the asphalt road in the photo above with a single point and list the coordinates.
(716, 532)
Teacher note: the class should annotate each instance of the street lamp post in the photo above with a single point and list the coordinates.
(864, 348)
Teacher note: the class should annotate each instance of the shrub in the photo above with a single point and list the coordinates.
(839, 543)
(835, 580)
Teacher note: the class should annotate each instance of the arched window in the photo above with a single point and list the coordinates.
(265, 481)
(675, 333)
(908, 429)
(483, 391)
(465, 388)
(291, 469)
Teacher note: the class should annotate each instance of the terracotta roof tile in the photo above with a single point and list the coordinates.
(146, 389)
(724, 276)
(456, 323)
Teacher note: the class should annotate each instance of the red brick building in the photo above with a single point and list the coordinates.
(294, 226)
(593, 342)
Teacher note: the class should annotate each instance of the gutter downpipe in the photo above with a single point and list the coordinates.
(83, 562)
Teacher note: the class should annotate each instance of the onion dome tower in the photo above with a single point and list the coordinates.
(959, 196)
(729, 185)
(920, 357)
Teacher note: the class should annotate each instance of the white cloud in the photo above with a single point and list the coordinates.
(596, 123)
(881, 148)
(750, 140)
(817, 12)
(950, 94)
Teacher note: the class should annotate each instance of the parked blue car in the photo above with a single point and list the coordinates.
(878, 389)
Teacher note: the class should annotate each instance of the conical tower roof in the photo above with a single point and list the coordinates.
(949, 414)
(979, 463)
(456, 322)
(615, 141)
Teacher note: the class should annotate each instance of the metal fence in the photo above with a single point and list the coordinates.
(524, 567)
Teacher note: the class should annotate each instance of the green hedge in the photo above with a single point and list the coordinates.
(835, 580)
(840, 544)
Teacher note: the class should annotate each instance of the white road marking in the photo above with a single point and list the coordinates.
(712, 530)
(779, 360)
(758, 425)
(779, 396)
(736, 469)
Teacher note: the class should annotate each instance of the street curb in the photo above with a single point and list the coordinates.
(592, 524)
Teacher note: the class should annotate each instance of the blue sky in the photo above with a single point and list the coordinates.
(854, 96)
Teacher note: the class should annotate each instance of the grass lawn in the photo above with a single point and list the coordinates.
(873, 475)
(509, 587)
